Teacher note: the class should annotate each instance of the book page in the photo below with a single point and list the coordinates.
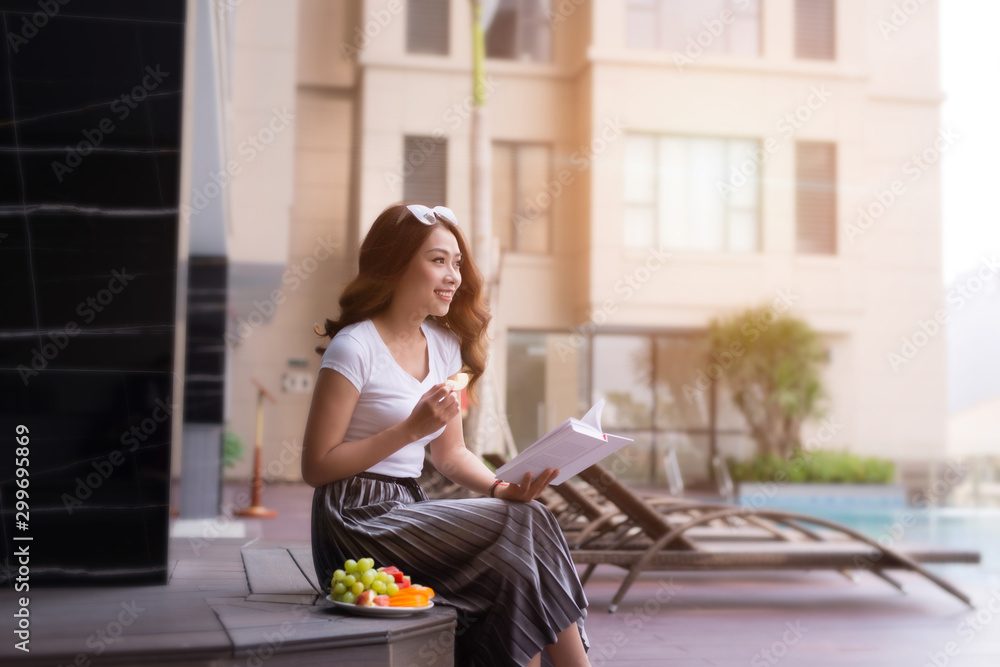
(570, 447)
(614, 443)
(593, 416)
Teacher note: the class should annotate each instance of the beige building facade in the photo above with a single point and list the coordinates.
(655, 165)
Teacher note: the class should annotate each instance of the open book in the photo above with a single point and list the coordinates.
(574, 445)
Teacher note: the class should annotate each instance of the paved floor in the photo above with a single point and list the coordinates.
(796, 618)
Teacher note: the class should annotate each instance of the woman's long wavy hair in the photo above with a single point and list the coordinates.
(386, 252)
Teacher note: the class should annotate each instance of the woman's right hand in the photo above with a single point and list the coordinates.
(434, 409)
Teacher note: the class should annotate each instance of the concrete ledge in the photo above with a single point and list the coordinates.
(209, 614)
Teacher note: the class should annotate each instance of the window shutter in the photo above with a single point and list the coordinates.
(815, 29)
(427, 27)
(816, 197)
(426, 160)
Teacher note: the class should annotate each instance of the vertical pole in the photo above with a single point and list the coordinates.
(484, 418)
(257, 485)
(481, 177)
(258, 451)
(713, 427)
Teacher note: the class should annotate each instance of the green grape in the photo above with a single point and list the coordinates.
(385, 577)
(368, 577)
(350, 565)
(338, 575)
(350, 580)
(366, 564)
(392, 588)
(358, 588)
(349, 598)
(379, 587)
(339, 589)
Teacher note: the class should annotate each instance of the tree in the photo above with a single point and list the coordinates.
(771, 363)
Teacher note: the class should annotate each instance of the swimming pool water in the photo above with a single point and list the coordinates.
(962, 528)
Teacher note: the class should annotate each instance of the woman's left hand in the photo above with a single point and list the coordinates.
(528, 489)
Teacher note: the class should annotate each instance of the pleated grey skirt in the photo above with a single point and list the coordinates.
(503, 565)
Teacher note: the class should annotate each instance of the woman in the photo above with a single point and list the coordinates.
(411, 318)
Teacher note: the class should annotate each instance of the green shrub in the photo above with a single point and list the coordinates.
(829, 467)
(232, 449)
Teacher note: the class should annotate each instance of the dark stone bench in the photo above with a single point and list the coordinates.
(227, 602)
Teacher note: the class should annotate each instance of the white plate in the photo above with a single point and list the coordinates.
(384, 612)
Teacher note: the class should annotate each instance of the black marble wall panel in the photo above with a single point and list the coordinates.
(205, 360)
(90, 131)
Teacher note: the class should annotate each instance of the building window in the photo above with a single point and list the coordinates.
(691, 193)
(546, 382)
(656, 389)
(694, 28)
(816, 29)
(522, 201)
(816, 197)
(520, 31)
(427, 26)
(425, 169)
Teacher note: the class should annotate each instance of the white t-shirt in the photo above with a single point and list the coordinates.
(388, 394)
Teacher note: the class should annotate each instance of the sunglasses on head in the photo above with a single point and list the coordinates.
(429, 216)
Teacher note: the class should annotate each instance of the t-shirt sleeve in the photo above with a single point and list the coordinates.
(347, 356)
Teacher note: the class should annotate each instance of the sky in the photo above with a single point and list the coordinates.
(970, 80)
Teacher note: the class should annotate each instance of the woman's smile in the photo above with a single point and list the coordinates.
(445, 294)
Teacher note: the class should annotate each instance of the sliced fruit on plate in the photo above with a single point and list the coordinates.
(394, 572)
(414, 596)
(359, 583)
(409, 601)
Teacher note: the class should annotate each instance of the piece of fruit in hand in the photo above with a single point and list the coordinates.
(458, 381)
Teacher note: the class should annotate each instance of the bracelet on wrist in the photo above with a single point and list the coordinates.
(493, 487)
